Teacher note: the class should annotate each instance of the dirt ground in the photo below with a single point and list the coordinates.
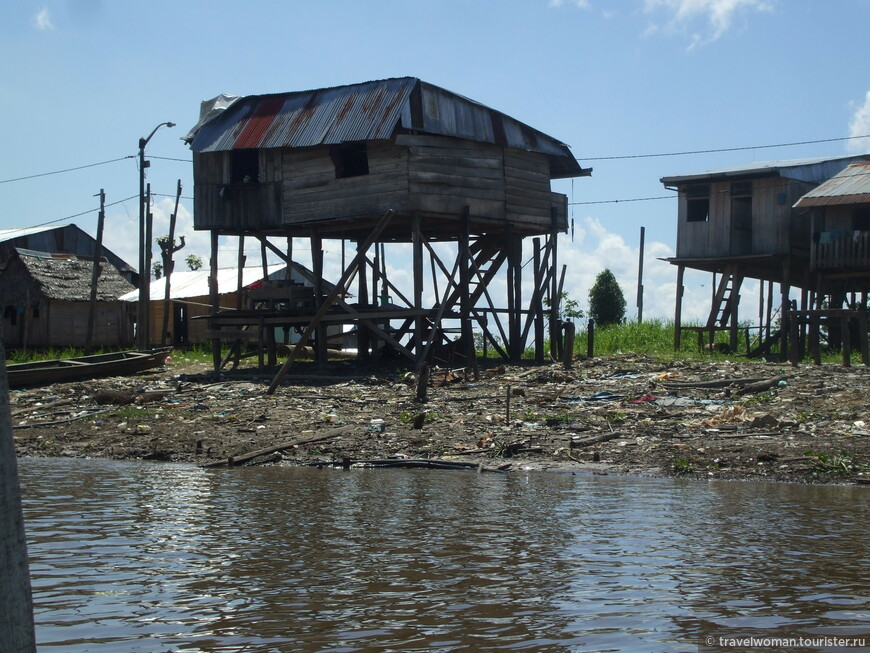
(629, 414)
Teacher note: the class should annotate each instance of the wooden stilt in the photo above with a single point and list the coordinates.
(678, 307)
(214, 298)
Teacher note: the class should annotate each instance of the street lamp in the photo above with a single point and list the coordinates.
(143, 312)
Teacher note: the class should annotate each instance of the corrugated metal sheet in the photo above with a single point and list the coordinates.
(851, 186)
(368, 111)
(188, 284)
(371, 111)
(810, 170)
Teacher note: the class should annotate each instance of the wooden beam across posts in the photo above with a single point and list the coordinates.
(331, 299)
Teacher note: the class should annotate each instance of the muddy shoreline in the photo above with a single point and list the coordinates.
(629, 414)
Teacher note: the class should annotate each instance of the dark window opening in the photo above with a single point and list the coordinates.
(741, 189)
(36, 311)
(861, 218)
(11, 313)
(350, 160)
(741, 205)
(698, 203)
(245, 166)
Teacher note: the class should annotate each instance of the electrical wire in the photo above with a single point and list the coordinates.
(76, 215)
(57, 172)
(724, 149)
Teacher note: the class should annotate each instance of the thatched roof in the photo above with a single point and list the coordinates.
(28, 275)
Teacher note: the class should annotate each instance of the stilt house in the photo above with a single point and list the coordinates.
(390, 161)
(751, 222)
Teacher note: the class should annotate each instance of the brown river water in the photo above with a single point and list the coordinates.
(145, 557)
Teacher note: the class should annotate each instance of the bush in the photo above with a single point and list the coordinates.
(606, 301)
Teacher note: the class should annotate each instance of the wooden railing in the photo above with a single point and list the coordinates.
(849, 249)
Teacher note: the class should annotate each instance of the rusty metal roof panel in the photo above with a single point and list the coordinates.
(851, 186)
(370, 111)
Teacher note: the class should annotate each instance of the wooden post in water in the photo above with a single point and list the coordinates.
(16, 601)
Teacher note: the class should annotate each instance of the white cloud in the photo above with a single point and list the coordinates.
(42, 20)
(582, 4)
(859, 125)
(716, 16)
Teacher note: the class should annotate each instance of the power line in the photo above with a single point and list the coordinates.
(724, 149)
(57, 172)
(634, 199)
(77, 215)
(169, 158)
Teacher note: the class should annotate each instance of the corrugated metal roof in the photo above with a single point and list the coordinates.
(370, 111)
(10, 234)
(811, 170)
(851, 186)
(187, 284)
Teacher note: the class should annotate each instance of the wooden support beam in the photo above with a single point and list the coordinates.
(417, 267)
(678, 307)
(331, 299)
(214, 300)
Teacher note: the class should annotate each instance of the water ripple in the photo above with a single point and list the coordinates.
(144, 557)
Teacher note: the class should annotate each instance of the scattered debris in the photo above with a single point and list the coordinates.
(629, 414)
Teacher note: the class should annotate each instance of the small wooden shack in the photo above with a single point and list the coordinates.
(391, 161)
(188, 306)
(748, 222)
(61, 239)
(46, 300)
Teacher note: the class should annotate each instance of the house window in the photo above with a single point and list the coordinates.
(244, 166)
(741, 205)
(861, 218)
(698, 203)
(350, 160)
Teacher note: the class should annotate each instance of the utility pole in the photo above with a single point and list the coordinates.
(95, 274)
(168, 249)
(142, 312)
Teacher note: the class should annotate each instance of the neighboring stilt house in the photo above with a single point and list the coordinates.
(46, 300)
(743, 223)
(391, 161)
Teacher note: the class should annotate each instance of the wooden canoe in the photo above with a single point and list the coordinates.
(120, 363)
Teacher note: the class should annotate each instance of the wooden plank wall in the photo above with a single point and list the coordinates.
(311, 191)
(64, 324)
(527, 188)
(445, 175)
(774, 224)
(196, 307)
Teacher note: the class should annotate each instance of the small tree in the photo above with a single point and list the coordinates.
(193, 261)
(606, 301)
(569, 309)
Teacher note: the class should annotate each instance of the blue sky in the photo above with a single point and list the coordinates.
(81, 81)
